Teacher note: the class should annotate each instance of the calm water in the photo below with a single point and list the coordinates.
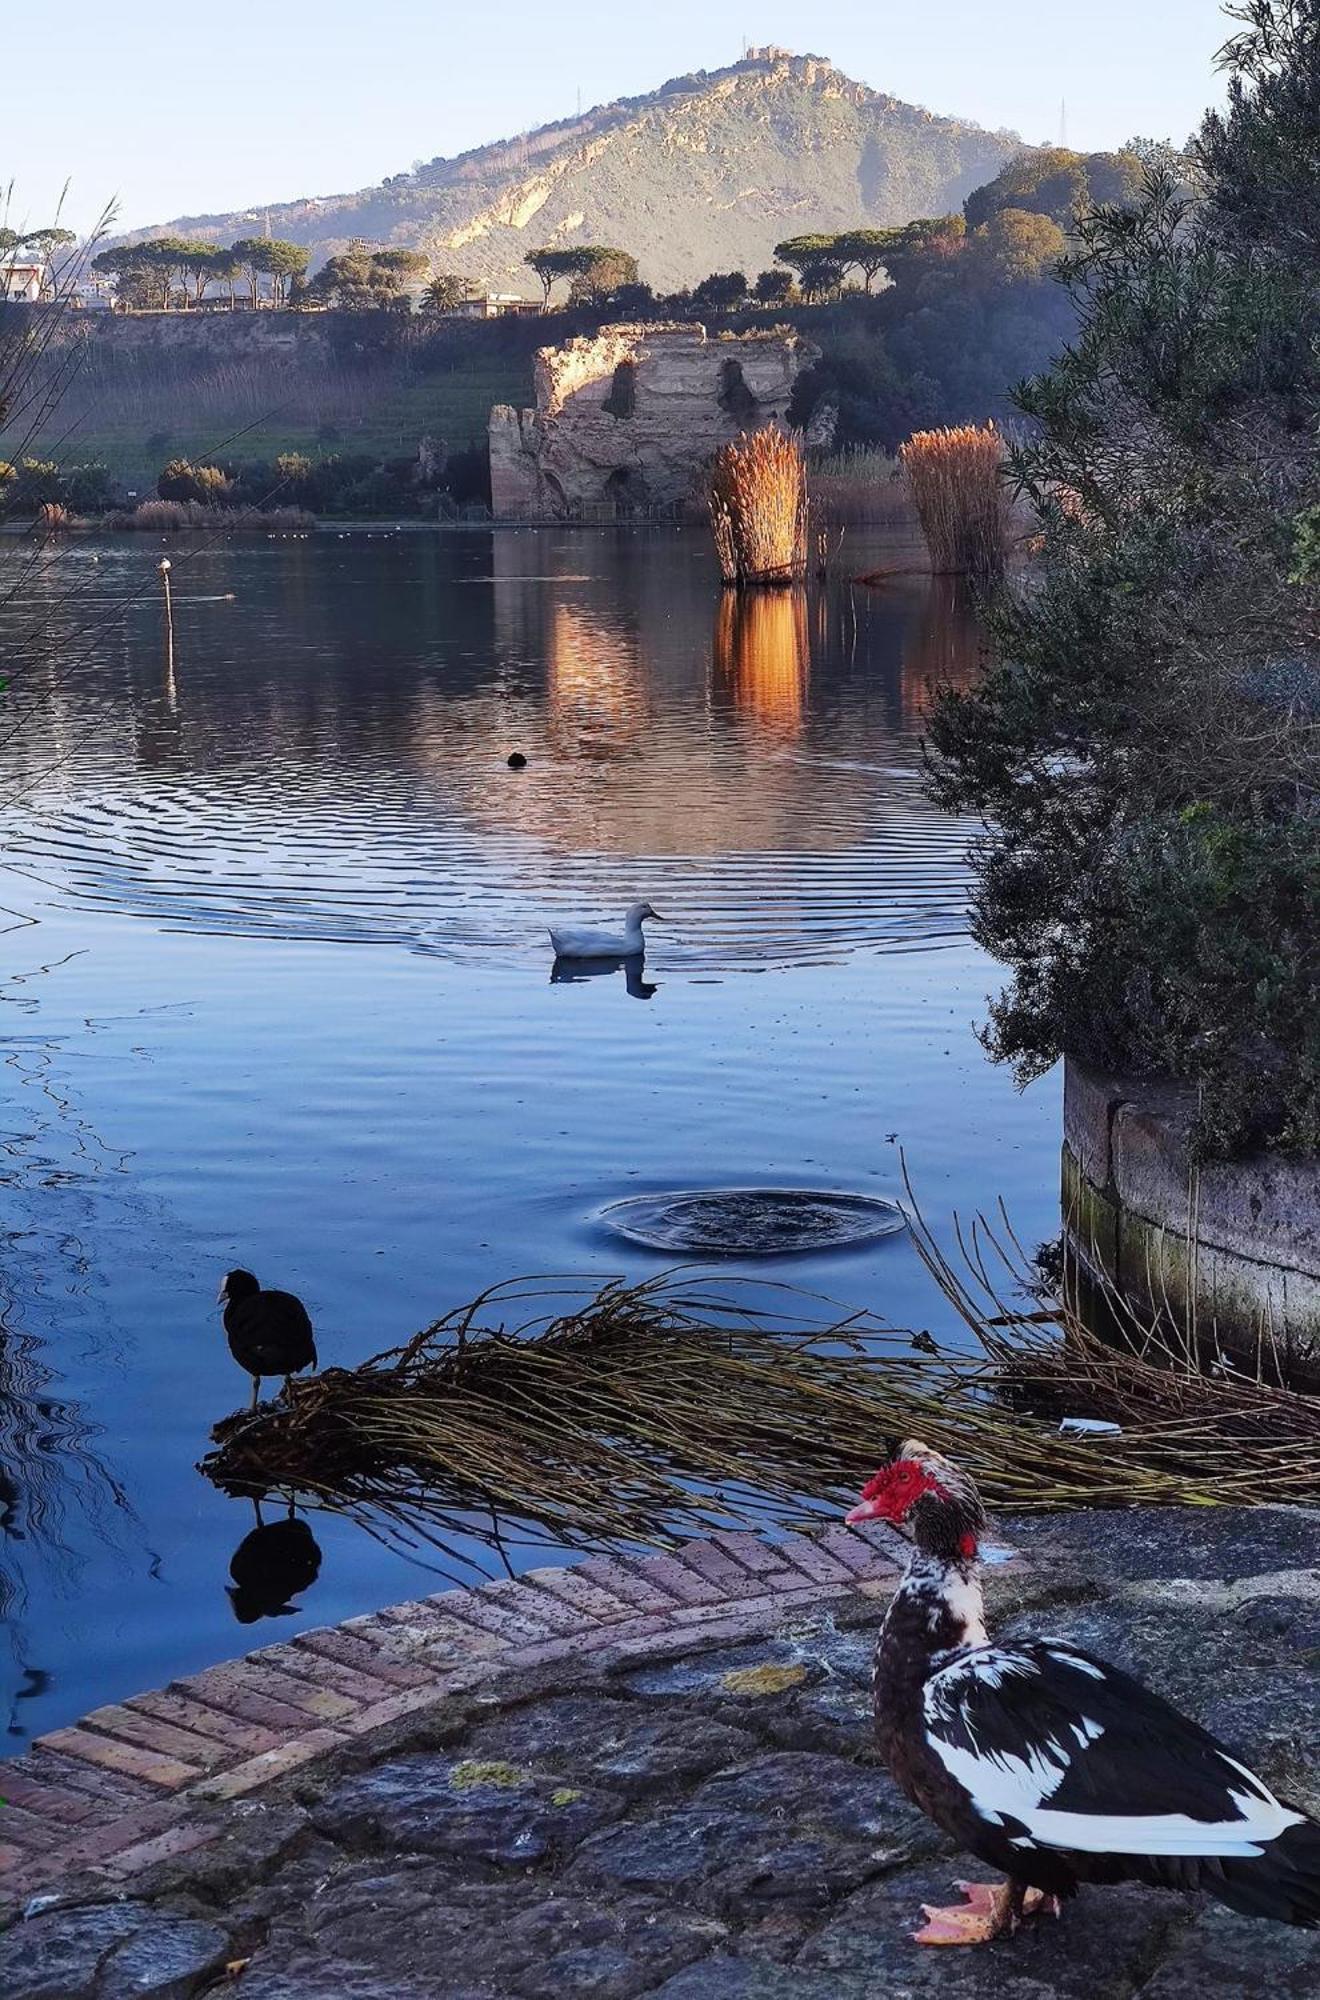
(288, 999)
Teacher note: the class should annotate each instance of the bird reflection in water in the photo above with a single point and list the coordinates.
(272, 1564)
(570, 971)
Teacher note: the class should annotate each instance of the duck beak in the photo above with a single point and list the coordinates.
(865, 1510)
(222, 1296)
(657, 918)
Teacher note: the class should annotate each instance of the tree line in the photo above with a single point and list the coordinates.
(169, 272)
(177, 270)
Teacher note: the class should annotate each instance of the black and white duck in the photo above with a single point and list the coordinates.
(1049, 1765)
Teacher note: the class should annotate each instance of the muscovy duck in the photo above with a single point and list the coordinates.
(1049, 1765)
(269, 1332)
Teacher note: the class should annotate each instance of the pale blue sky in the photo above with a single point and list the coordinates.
(179, 109)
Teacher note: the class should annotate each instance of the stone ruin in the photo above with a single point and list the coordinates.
(627, 420)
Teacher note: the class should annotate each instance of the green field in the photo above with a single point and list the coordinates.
(256, 413)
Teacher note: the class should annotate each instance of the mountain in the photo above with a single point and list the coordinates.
(707, 173)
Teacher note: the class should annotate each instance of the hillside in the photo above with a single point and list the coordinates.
(706, 173)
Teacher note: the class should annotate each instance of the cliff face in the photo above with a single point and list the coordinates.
(707, 173)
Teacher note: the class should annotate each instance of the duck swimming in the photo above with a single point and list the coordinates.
(570, 942)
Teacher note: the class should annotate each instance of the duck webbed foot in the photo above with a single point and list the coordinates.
(989, 1910)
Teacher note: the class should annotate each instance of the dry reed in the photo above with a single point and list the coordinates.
(166, 516)
(758, 508)
(861, 488)
(961, 499)
(648, 1413)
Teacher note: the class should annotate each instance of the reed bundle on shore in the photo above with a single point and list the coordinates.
(643, 1414)
(960, 498)
(758, 508)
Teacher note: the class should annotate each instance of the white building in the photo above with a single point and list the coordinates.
(495, 305)
(22, 277)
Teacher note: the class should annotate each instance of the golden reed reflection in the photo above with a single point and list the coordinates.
(596, 683)
(946, 647)
(762, 650)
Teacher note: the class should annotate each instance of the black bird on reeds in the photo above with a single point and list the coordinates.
(272, 1564)
(269, 1332)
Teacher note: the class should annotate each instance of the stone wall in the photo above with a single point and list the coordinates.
(1232, 1247)
(626, 420)
(207, 336)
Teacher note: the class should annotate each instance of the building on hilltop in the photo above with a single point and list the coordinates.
(627, 419)
(22, 278)
(495, 305)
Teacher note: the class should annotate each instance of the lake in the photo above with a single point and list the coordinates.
(287, 1002)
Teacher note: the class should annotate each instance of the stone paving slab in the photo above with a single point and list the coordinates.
(664, 1785)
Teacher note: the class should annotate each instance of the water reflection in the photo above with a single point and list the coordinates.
(762, 652)
(274, 1563)
(403, 1123)
(573, 971)
(762, 744)
(946, 648)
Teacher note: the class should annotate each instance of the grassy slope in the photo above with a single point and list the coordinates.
(385, 412)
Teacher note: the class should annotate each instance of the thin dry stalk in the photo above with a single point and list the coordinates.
(961, 498)
(758, 508)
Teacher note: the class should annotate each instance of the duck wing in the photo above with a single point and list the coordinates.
(1064, 1752)
(589, 944)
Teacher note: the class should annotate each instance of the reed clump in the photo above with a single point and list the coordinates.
(170, 516)
(961, 499)
(758, 508)
(647, 1413)
(861, 487)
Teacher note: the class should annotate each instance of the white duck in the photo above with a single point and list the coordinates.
(627, 943)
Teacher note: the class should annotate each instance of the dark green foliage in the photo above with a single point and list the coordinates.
(963, 319)
(599, 272)
(1259, 156)
(629, 302)
(36, 482)
(720, 292)
(444, 292)
(352, 484)
(1147, 754)
(775, 288)
(181, 480)
(362, 279)
(1057, 183)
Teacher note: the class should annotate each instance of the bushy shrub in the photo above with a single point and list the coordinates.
(168, 516)
(1146, 751)
(89, 489)
(181, 480)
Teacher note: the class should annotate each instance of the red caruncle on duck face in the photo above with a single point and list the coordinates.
(894, 1492)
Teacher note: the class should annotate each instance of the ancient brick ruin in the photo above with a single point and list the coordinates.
(627, 419)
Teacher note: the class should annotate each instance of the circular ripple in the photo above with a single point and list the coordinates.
(314, 772)
(753, 1222)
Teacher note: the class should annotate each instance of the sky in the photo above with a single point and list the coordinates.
(173, 111)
